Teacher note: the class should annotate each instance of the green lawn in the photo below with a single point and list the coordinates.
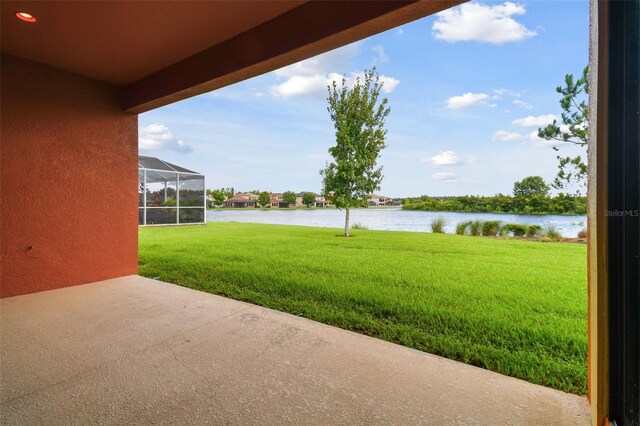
(515, 307)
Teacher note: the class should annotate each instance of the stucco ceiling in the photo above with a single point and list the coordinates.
(123, 41)
(161, 52)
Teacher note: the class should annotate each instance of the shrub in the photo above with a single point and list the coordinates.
(534, 231)
(490, 228)
(437, 225)
(358, 226)
(552, 234)
(520, 230)
(582, 233)
(476, 227)
(514, 229)
(461, 228)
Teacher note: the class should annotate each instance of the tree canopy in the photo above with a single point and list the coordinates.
(309, 199)
(358, 118)
(574, 130)
(531, 186)
(264, 199)
(219, 195)
(289, 198)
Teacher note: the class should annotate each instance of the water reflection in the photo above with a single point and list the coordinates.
(390, 219)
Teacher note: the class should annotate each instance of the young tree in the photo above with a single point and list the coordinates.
(309, 199)
(289, 198)
(264, 199)
(358, 119)
(575, 130)
(218, 197)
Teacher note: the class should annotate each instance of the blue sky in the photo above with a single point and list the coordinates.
(467, 88)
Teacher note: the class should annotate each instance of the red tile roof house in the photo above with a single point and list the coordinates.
(276, 200)
(249, 200)
(74, 77)
(242, 200)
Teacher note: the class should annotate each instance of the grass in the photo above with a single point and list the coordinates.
(358, 226)
(490, 228)
(437, 225)
(461, 228)
(514, 229)
(476, 228)
(552, 234)
(515, 307)
(534, 231)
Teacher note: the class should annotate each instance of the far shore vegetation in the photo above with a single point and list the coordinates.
(562, 204)
(530, 196)
(513, 306)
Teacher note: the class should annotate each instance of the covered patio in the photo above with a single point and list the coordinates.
(78, 349)
(133, 350)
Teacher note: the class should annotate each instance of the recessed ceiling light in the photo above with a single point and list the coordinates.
(26, 17)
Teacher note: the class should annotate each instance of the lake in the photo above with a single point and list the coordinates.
(390, 219)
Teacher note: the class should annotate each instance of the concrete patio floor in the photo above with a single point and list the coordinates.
(139, 351)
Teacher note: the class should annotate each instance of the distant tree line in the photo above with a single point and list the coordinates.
(530, 196)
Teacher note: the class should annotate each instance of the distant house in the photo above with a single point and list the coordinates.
(276, 200)
(241, 200)
(375, 200)
(299, 196)
(320, 200)
(244, 200)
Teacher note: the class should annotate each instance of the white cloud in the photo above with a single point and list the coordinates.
(533, 121)
(312, 76)
(449, 158)
(316, 85)
(445, 176)
(400, 31)
(479, 22)
(300, 85)
(381, 57)
(157, 137)
(465, 101)
(501, 91)
(445, 158)
(522, 104)
(503, 135)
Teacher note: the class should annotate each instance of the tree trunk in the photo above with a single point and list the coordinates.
(346, 224)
